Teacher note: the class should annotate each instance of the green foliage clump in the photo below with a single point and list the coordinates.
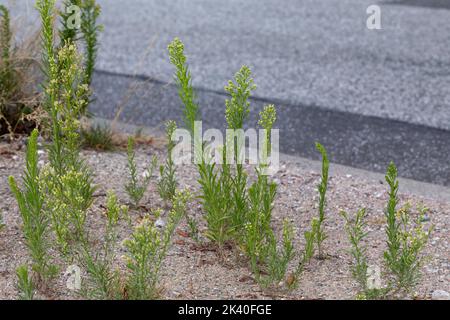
(403, 258)
(103, 282)
(147, 247)
(405, 240)
(167, 184)
(97, 137)
(136, 188)
(67, 179)
(31, 206)
(234, 211)
(25, 284)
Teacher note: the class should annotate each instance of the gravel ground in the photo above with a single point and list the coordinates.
(195, 272)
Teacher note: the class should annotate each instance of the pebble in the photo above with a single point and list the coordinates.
(440, 295)
(159, 223)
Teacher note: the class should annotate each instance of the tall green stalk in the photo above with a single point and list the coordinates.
(31, 206)
(320, 235)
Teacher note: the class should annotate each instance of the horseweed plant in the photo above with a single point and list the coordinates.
(87, 30)
(68, 179)
(405, 241)
(214, 187)
(90, 29)
(31, 206)
(103, 282)
(147, 249)
(318, 229)
(356, 232)
(135, 188)
(25, 284)
(259, 242)
(183, 80)
(167, 184)
(403, 257)
(231, 211)
(316, 235)
(236, 112)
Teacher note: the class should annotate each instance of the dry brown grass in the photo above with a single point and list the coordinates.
(20, 108)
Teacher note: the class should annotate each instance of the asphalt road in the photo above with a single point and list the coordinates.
(369, 95)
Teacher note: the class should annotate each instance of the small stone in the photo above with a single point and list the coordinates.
(73, 281)
(159, 223)
(425, 218)
(440, 295)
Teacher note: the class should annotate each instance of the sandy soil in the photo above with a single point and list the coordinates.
(194, 271)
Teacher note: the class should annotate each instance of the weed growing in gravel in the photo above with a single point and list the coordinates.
(103, 282)
(236, 112)
(318, 229)
(136, 188)
(268, 263)
(215, 188)
(355, 229)
(147, 247)
(31, 206)
(68, 179)
(233, 211)
(405, 240)
(403, 257)
(24, 283)
(167, 184)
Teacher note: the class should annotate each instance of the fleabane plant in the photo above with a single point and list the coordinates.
(184, 82)
(167, 184)
(79, 24)
(67, 178)
(214, 187)
(268, 263)
(318, 228)
(103, 282)
(147, 248)
(236, 112)
(36, 223)
(405, 240)
(356, 232)
(136, 187)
